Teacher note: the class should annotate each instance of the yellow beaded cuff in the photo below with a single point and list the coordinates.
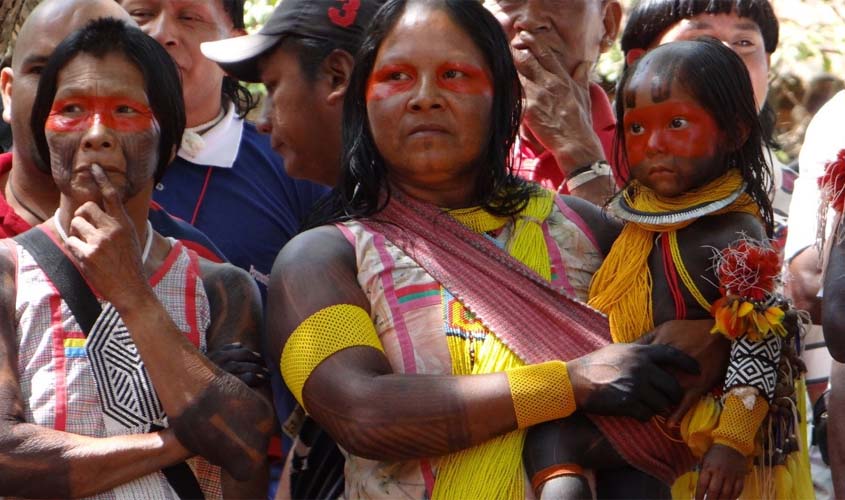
(541, 393)
(322, 334)
(738, 425)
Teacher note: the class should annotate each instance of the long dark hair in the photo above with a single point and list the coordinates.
(718, 80)
(161, 80)
(649, 19)
(363, 181)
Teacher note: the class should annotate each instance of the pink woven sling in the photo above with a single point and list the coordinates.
(535, 320)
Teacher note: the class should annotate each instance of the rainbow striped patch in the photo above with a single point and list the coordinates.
(74, 348)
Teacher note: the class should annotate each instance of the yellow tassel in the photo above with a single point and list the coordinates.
(783, 481)
(528, 245)
(494, 468)
(622, 286)
(698, 424)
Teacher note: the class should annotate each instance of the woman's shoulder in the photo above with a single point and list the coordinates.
(595, 222)
(312, 250)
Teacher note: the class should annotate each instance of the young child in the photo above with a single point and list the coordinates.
(688, 129)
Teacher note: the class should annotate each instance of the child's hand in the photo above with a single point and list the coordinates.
(723, 472)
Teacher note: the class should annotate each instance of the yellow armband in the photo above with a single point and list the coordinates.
(738, 425)
(322, 334)
(541, 393)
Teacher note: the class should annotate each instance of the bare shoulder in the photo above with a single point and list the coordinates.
(605, 227)
(315, 270)
(224, 278)
(723, 230)
(319, 246)
(314, 261)
(234, 305)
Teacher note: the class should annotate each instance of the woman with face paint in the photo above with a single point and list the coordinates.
(107, 327)
(437, 312)
(696, 216)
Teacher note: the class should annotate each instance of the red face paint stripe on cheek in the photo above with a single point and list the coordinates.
(390, 80)
(117, 113)
(697, 137)
(467, 79)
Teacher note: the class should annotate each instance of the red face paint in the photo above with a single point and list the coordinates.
(456, 77)
(390, 80)
(120, 114)
(673, 128)
(464, 78)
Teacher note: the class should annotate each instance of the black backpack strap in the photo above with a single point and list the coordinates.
(64, 275)
(86, 309)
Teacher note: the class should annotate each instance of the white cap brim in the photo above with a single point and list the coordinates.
(238, 56)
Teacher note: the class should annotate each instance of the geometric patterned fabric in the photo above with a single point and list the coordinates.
(754, 364)
(127, 395)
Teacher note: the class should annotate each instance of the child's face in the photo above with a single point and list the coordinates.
(671, 141)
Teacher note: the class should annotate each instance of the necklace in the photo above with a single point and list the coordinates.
(23, 205)
(623, 210)
(148, 244)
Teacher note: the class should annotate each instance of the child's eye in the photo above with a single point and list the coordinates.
(678, 123)
(636, 129)
(453, 73)
(398, 76)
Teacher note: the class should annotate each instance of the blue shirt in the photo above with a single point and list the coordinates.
(249, 209)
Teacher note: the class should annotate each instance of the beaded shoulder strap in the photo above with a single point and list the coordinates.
(683, 273)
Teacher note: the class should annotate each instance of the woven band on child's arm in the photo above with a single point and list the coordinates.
(738, 425)
(322, 334)
(541, 393)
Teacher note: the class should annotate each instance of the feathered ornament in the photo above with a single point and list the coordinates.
(832, 190)
(832, 183)
(748, 273)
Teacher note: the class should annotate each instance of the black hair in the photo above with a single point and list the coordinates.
(232, 89)
(235, 10)
(363, 180)
(100, 38)
(311, 52)
(718, 80)
(649, 19)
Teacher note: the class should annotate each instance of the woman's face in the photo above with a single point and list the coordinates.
(429, 100)
(101, 115)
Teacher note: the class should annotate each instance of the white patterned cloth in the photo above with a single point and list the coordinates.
(57, 377)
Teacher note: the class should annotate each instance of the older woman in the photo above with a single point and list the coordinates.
(104, 323)
(437, 316)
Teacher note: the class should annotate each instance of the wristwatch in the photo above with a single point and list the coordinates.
(585, 174)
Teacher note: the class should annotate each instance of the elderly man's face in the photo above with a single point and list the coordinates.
(574, 30)
(101, 115)
(40, 37)
(180, 26)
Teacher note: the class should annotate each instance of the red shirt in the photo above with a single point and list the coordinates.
(10, 223)
(543, 169)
